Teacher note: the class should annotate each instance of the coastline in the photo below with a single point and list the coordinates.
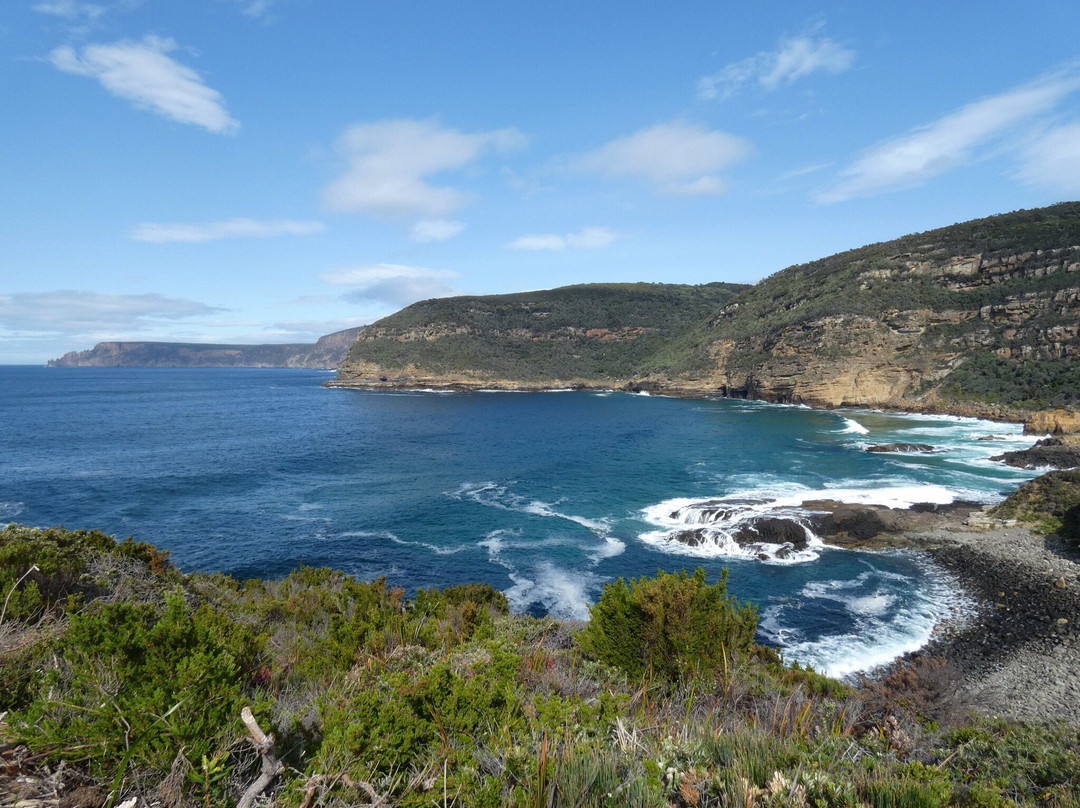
(1040, 422)
(1014, 657)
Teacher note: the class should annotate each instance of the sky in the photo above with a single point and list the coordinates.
(250, 171)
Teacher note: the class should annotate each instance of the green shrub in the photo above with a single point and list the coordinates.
(456, 614)
(674, 625)
(134, 682)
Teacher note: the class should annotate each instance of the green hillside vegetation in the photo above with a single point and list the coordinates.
(124, 677)
(876, 280)
(551, 334)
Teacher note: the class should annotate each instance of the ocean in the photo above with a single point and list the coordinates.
(546, 496)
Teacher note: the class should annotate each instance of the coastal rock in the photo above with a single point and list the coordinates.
(772, 530)
(644, 387)
(1052, 456)
(1053, 422)
(906, 448)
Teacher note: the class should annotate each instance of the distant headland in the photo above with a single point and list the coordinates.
(327, 352)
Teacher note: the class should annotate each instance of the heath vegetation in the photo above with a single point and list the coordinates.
(125, 678)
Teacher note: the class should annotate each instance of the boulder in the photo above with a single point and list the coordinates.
(1043, 455)
(772, 530)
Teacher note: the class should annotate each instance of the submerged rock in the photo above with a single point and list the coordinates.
(907, 448)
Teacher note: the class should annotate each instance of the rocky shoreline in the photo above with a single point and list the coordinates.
(1036, 422)
(1018, 655)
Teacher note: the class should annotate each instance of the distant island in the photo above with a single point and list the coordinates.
(978, 318)
(327, 352)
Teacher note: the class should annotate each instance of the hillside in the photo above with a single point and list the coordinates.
(981, 316)
(327, 352)
(981, 312)
(592, 334)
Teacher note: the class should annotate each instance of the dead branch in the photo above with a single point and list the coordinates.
(271, 766)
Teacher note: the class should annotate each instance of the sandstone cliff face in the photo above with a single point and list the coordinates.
(1020, 307)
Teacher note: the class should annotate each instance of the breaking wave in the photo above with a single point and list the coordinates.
(878, 616)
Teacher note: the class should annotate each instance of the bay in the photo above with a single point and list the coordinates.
(547, 496)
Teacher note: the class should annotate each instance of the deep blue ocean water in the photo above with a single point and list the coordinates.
(547, 496)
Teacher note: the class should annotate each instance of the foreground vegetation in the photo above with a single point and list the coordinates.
(133, 676)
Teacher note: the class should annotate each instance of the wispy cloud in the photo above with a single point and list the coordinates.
(144, 74)
(794, 59)
(1052, 160)
(390, 163)
(428, 230)
(588, 238)
(73, 312)
(677, 158)
(391, 284)
(71, 10)
(216, 231)
(912, 159)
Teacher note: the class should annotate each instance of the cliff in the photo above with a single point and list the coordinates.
(327, 352)
(982, 314)
(980, 318)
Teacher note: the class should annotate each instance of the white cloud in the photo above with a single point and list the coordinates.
(257, 8)
(143, 73)
(1052, 160)
(390, 163)
(71, 312)
(912, 159)
(70, 9)
(795, 59)
(215, 231)
(428, 230)
(391, 284)
(677, 158)
(589, 238)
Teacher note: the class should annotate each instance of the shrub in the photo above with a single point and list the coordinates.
(133, 682)
(674, 625)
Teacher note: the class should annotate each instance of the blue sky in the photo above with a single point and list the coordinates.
(274, 170)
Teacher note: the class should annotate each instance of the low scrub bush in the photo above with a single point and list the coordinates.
(132, 684)
(674, 626)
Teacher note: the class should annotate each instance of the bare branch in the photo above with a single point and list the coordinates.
(271, 766)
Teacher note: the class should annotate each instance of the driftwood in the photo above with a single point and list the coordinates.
(271, 766)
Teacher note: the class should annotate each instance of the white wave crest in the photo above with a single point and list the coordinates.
(9, 510)
(561, 593)
(888, 620)
(385, 535)
(499, 496)
(851, 426)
